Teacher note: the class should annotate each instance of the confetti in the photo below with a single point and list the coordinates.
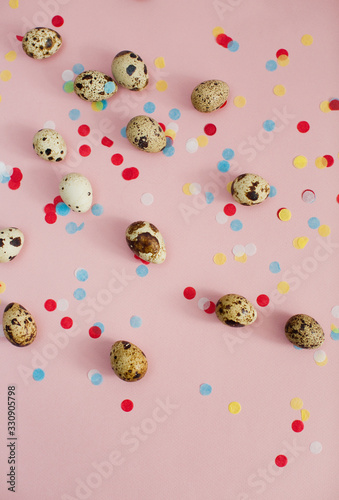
(239, 101)
(300, 161)
(281, 461)
(234, 407)
(219, 259)
(307, 40)
(127, 405)
(283, 287)
(205, 389)
(296, 403)
(316, 447)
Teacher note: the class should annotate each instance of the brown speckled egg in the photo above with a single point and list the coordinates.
(18, 324)
(128, 361)
(49, 144)
(11, 242)
(304, 331)
(210, 95)
(145, 133)
(235, 310)
(146, 241)
(94, 86)
(40, 43)
(250, 189)
(129, 70)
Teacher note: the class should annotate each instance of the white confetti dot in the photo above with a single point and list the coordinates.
(67, 75)
(9, 169)
(91, 373)
(250, 249)
(62, 305)
(319, 356)
(173, 126)
(308, 196)
(238, 250)
(221, 218)
(147, 199)
(192, 145)
(194, 188)
(316, 447)
(203, 303)
(335, 311)
(49, 124)
(3, 169)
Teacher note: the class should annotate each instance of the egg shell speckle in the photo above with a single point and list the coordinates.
(235, 310)
(129, 70)
(18, 325)
(128, 361)
(41, 43)
(250, 189)
(210, 95)
(304, 331)
(146, 241)
(90, 86)
(76, 191)
(11, 242)
(49, 145)
(145, 133)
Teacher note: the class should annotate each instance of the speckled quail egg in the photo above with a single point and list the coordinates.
(18, 325)
(94, 86)
(11, 242)
(304, 331)
(235, 310)
(128, 361)
(146, 241)
(40, 43)
(250, 189)
(129, 70)
(145, 133)
(210, 95)
(76, 191)
(49, 145)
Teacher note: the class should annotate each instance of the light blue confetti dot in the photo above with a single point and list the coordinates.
(82, 225)
(123, 132)
(228, 154)
(169, 141)
(78, 68)
(71, 227)
(334, 335)
(79, 294)
(271, 65)
(174, 114)
(209, 197)
(81, 274)
(297, 347)
(313, 222)
(97, 209)
(100, 325)
(104, 104)
(96, 379)
(142, 270)
(273, 191)
(236, 225)
(4, 178)
(135, 321)
(74, 114)
(233, 46)
(62, 209)
(38, 374)
(149, 107)
(275, 267)
(109, 87)
(223, 166)
(205, 389)
(168, 151)
(269, 125)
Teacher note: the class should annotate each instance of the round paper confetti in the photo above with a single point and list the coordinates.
(221, 218)
(300, 161)
(283, 287)
(192, 145)
(135, 321)
(223, 166)
(84, 130)
(217, 31)
(195, 188)
(283, 60)
(271, 65)
(233, 46)
(209, 197)
(50, 305)
(307, 40)
(94, 332)
(147, 199)
(117, 159)
(68, 87)
(238, 250)
(335, 311)
(168, 151)
(234, 407)
(297, 426)
(325, 106)
(161, 85)
(78, 68)
(209, 307)
(239, 101)
(250, 249)
(279, 90)
(38, 374)
(263, 300)
(159, 62)
(186, 188)
(57, 21)
(171, 135)
(236, 225)
(223, 40)
(296, 403)
(142, 271)
(50, 218)
(74, 114)
(269, 125)
(205, 389)
(10, 56)
(96, 378)
(274, 267)
(313, 222)
(319, 356)
(273, 191)
(329, 159)
(66, 323)
(229, 186)
(127, 405)
(228, 154)
(230, 209)
(320, 162)
(71, 227)
(5, 75)
(81, 274)
(303, 127)
(62, 305)
(210, 129)
(281, 52)
(190, 293)
(130, 173)
(67, 75)
(173, 126)
(305, 415)
(123, 132)
(202, 141)
(334, 104)
(219, 259)
(149, 107)
(97, 209)
(85, 150)
(62, 209)
(242, 258)
(316, 447)
(324, 230)
(284, 214)
(281, 461)
(203, 303)
(174, 114)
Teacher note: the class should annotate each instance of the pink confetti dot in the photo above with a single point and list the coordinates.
(303, 127)
(263, 300)
(230, 209)
(84, 130)
(66, 323)
(210, 129)
(85, 150)
(51, 217)
(57, 21)
(106, 141)
(281, 461)
(127, 405)
(117, 159)
(189, 293)
(50, 305)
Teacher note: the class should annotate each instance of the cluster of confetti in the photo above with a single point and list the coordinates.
(282, 58)
(161, 85)
(224, 40)
(10, 176)
(241, 252)
(204, 304)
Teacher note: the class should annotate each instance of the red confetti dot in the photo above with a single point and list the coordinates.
(263, 300)
(13, 185)
(130, 173)
(297, 425)
(50, 305)
(127, 405)
(57, 21)
(223, 40)
(66, 323)
(16, 175)
(281, 461)
(94, 332)
(51, 217)
(117, 159)
(230, 209)
(162, 126)
(303, 127)
(338, 198)
(223, 105)
(57, 200)
(83, 130)
(189, 293)
(281, 52)
(330, 160)
(334, 105)
(105, 141)
(20, 38)
(210, 129)
(50, 207)
(211, 308)
(143, 261)
(84, 150)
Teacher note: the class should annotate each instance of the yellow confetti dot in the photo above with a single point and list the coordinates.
(161, 85)
(283, 287)
(300, 242)
(279, 90)
(10, 56)
(324, 230)
(5, 75)
(285, 214)
(97, 106)
(334, 328)
(218, 30)
(229, 185)
(234, 407)
(325, 106)
(305, 415)
(170, 133)
(2, 287)
(241, 258)
(239, 101)
(219, 259)
(283, 60)
(321, 162)
(0, 98)
(202, 140)
(296, 403)
(14, 4)
(322, 363)
(300, 161)
(307, 39)
(159, 62)
(186, 188)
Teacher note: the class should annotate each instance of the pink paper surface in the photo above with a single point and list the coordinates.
(74, 441)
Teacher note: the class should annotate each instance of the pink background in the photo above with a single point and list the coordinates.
(74, 440)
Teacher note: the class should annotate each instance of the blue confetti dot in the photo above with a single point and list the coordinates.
(236, 225)
(96, 379)
(209, 197)
(79, 294)
(74, 114)
(82, 225)
(71, 227)
(233, 46)
(100, 325)
(97, 209)
(334, 335)
(81, 274)
(273, 192)
(142, 270)
(4, 178)
(135, 321)
(123, 132)
(275, 267)
(228, 154)
(205, 389)
(223, 166)
(269, 125)
(109, 87)
(78, 68)
(104, 104)
(38, 374)
(313, 222)
(271, 65)
(174, 114)
(149, 107)
(62, 209)
(168, 151)
(169, 141)
(297, 347)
